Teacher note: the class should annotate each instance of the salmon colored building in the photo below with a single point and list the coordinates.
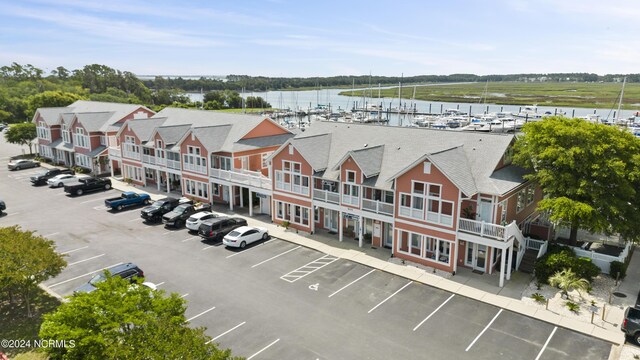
(209, 156)
(439, 198)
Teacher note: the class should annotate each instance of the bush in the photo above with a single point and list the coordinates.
(561, 257)
(618, 270)
(573, 307)
(539, 298)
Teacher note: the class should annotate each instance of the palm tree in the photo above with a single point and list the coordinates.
(567, 280)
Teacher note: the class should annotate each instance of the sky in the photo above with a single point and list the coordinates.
(290, 38)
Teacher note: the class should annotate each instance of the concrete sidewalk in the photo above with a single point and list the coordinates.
(481, 291)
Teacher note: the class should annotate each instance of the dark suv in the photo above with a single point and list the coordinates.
(127, 271)
(216, 229)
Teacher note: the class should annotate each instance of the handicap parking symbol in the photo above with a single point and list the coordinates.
(314, 287)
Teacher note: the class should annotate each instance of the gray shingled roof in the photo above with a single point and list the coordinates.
(67, 118)
(507, 178)
(93, 121)
(478, 152)
(212, 137)
(261, 142)
(51, 115)
(118, 110)
(369, 159)
(171, 134)
(97, 151)
(143, 128)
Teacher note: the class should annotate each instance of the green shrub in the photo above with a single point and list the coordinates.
(539, 298)
(573, 307)
(618, 270)
(561, 257)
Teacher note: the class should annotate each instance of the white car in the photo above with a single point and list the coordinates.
(194, 221)
(63, 179)
(245, 235)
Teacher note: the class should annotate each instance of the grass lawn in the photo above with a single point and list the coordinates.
(569, 94)
(14, 323)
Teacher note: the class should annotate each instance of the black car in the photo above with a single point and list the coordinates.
(179, 215)
(41, 178)
(127, 271)
(216, 229)
(154, 212)
(3, 206)
(85, 185)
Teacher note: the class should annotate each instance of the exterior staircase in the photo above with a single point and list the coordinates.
(528, 260)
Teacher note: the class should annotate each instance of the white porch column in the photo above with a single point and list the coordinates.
(168, 184)
(360, 228)
(112, 173)
(232, 197)
(510, 260)
(313, 218)
(158, 178)
(241, 197)
(250, 203)
(340, 225)
(502, 266)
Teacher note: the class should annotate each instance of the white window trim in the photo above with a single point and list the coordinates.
(423, 250)
(424, 214)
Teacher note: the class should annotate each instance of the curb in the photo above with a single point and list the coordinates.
(53, 293)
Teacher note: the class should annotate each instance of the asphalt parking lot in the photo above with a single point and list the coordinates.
(277, 300)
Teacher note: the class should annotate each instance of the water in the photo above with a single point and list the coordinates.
(309, 99)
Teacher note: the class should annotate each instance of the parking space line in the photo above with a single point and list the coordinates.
(15, 213)
(160, 283)
(166, 233)
(208, 247)
(81, 261)
(546, 342)
(483, 330)
(309, 268)
(74, 250)
(390, 296)
(273, 257)
(226, 332)
(185, 295)
(92, 200)
(100, 208)
(245, 250)
(263, 349)
(434, 311)
(78, 277)
(351, 283)
(136, 219)
(46, 236)
(202, 313)
(191, 238)
(121, 213)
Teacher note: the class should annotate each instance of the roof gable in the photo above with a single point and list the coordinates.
(266, 128)
(369, 160)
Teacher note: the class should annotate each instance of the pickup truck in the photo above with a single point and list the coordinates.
(154, 212)
(128, 198)
(41, 178)
(631, 324)
(87, 184)
(178, 216)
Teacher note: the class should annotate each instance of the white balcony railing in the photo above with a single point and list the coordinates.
(173, 164)
(195, 168)
(377, 207)
(482, 228)
(161, 161)
(114, 152)
(241, 176)
(132, 155)
(326, 196)
(149, 159)
(350, 200)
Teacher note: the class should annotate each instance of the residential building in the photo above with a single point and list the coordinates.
(443, 199)
(79, 134)
(209, 156)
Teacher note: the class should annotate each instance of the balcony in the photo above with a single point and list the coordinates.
(149, 159)
(160, 161)
(173, 164)
(326, 196)
(350, 200)
(132, 155)
(243, 177)
(201, 169)
(377, 207)
(114, 152)
(481, 228)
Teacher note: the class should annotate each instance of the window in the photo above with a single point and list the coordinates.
(133, 173)
(531, 192)
(295, 214)
(520, 202)
(192, 161)
(66, 135)
(196, 188)
(80, 139)
(130, 149)
(507, 158)
(264, 156)
(43, 131)
(103, 140)
(215, 189)
(221, 162)
(290, 149)
(83, 160)
(425, 247)
(290, 178)
(149, 173)
(429, 196)
(503, 213)
(45, 151)
(427, 167)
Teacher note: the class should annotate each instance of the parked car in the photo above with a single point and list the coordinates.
(127, 271)
(195, 220)
(216, 229)
(43, 177)
(87, 184)
(22, 164)
(127, 199)
(63, 179)
(244, 236)
(179, 215)
(3, 206)
(154, 212)
(631, 324)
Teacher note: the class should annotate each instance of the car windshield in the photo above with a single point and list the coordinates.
(97, 279)
(234, 233)
(157, 204)
(42, 173)
(180, 208)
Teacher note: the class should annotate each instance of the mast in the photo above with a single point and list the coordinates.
(624, 81)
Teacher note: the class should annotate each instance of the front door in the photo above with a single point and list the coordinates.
(331, 220)
(387, 235)
(486, 211)
(225, 193)
(476, 256)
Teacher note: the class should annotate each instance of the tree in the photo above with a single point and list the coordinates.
(26, 260)
(21, 134)
(50, 99)
(121, 320)
(61, 72)
(588, 172)
(568, 281)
